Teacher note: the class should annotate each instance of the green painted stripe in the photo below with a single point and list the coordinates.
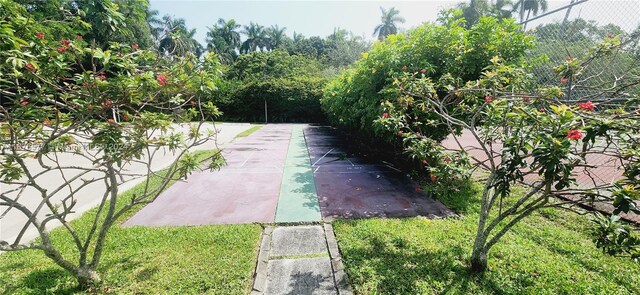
(298, 200)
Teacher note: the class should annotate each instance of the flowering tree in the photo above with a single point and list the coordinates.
(546, 140)
(75, 112)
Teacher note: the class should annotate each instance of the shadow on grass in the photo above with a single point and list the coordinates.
(398, 269)
(47, 279)
(146, 273)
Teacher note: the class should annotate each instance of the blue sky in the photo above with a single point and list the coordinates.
(311, 18)
(319, 18)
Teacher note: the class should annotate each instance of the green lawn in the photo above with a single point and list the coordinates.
(249, 131)
(551, 252)
(161, 260)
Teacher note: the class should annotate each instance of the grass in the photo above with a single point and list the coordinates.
(550, 252)
(151, 260)
(249, 131)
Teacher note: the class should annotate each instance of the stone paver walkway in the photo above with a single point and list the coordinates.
(299, 260)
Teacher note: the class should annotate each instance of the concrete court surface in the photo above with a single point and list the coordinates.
(244, 191)
(289, 173)
(268, 179)
(13, 221)
(351, 186)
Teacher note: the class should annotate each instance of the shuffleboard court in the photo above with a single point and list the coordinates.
(298, 199)
(351, 186)
(244, 191)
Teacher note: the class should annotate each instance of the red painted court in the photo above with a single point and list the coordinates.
(250, 187)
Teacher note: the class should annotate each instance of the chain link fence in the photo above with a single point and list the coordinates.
(571, 28)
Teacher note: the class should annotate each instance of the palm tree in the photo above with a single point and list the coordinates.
(338, 35)
(177, 39)
(155, 25)
(530, 6)
(256, 38)
(228, 31)
(275, 35)
(503, 9)
(297, 37)
(224, 39)
(473, 10)
(388, 26)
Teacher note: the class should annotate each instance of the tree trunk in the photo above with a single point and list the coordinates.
(478, 260)
(527, 21)
(87, 277)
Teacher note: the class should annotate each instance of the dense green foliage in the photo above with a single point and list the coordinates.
(443, 51)
(290, 85)
(550, 252)
(68, 97)
(525, 134)
(104, 21)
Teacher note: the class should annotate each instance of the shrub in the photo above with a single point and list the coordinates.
(436, 51)
(291, 87)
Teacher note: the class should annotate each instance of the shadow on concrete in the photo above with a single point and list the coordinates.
(308, 283)
(308, 189)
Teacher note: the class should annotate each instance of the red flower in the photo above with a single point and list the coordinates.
(125, 117)
(78, 37)
(574, 134)
(162, 79)
(564, 80)
(46, 123)
(192, 102)
(134, 46)
(110, 121)
(418, 189)
(433, 177)
(447, 160)
(385, 115)
(62, 49)
(30, 67)
(107, 103)
(424, 162)
(65, 42)
(40, 35)
(423, 71)
(610, 35)
(587, 106)
(101, 77)
(24, 101)
(488, 98)
(526, 99)
(404, 68)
